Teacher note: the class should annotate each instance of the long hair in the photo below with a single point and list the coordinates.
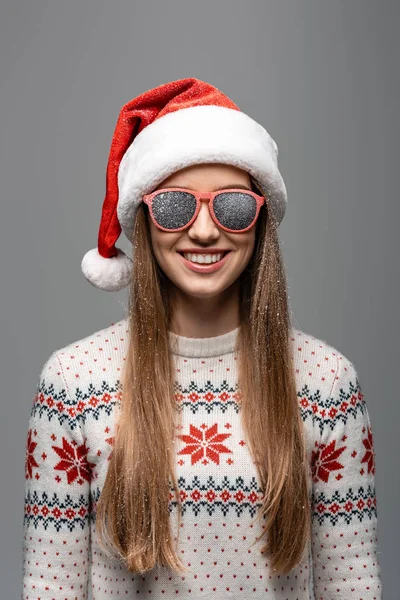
(132, 513)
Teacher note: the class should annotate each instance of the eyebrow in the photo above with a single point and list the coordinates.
(225, 187)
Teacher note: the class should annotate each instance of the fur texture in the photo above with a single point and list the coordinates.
(110, 274)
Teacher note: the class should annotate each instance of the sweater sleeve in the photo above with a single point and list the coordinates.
(344, 507)
(57, 483)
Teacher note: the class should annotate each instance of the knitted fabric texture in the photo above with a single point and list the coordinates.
(70, 439)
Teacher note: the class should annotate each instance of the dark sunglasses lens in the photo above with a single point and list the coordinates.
(235, 210)
(172, 210)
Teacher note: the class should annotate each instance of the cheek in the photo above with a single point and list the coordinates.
(252, 240)
(162, 243)
(156, 237)
(159, 251)
(248, 247)
(156, 241)
(245, 242)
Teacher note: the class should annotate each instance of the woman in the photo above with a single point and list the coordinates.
(200, 447)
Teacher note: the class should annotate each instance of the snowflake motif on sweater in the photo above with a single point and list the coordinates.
(69, 444)
(204, 443)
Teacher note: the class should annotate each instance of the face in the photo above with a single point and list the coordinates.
(203, 234)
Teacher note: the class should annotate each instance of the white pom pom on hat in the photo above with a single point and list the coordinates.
(111, 274)
(173, 126)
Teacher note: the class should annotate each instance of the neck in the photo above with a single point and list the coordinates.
(204, 317)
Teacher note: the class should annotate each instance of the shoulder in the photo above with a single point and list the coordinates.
(113, 335)
(98, 355)
(327, 382)
(318, 361)
(83, 378)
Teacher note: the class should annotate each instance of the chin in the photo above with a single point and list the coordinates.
(203, 291)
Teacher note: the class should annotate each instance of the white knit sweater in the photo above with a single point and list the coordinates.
(70, 440)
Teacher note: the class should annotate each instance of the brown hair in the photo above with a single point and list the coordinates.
(132, 511)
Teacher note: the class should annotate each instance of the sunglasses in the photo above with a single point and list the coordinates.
(175, 209)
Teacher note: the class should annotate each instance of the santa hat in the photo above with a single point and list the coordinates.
(168, 128)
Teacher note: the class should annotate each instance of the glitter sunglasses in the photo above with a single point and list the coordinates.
(174, 209)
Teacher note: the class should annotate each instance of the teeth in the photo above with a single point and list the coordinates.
(203, 258)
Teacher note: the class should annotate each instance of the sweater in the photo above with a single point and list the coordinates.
(70, 439)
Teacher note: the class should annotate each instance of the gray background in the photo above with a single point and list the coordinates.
(319, 75)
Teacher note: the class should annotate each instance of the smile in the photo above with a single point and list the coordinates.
(205, 259)
(209, 267)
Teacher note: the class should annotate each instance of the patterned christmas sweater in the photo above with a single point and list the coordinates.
(70, 439)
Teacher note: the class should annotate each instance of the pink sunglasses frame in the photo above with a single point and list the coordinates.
(148, 199)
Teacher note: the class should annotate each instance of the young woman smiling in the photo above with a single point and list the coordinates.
(201, 447)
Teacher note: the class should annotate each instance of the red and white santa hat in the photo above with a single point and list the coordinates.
(168, 128)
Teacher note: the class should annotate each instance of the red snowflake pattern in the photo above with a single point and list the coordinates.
(204, 444)
(74, 462)
(324, 460)
(369, 457)
(30, 461)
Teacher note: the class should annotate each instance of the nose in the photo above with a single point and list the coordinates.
(203, 227)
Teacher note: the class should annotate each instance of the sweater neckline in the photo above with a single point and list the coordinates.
(203, 347)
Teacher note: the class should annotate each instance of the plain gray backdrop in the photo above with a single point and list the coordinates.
(321, 76)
